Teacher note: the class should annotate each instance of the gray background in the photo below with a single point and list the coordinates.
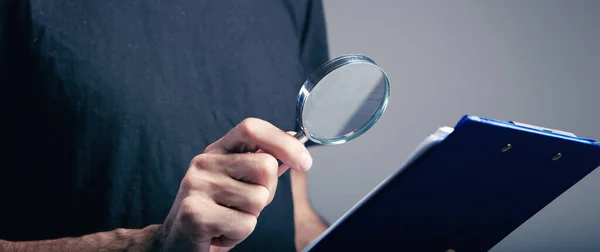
(533, 61)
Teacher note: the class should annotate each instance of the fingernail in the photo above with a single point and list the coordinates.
(306, 161)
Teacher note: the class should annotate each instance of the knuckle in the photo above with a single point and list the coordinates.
(195, 183)
(263, 195)
(187, 183)
(193, 216)
(209, 148)
(190, 213)
(197, 218)
(248, 127)
(271, 165)
(263, 174)
(267, 167)
(258, 200)
(201, 161)
(247, 225)
(267, 170)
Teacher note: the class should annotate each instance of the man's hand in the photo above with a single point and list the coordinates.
(227, 186)
(218, 202)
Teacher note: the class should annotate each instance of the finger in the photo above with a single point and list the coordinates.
(249, 198)
(258, 168)
(254, 134)
(224, 227)
(255, 168)
(235, 227)
(284, 167)
(216, 172)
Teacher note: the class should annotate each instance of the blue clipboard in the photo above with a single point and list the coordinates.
(466, 191)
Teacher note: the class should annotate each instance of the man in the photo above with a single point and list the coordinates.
(124, 124)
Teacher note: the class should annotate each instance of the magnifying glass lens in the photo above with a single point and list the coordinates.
(342, 99)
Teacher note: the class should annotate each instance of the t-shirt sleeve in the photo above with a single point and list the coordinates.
(314, 43)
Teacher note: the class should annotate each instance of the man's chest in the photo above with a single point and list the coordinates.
(156, 59)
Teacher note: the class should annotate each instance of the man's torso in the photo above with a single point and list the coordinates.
(114, 98)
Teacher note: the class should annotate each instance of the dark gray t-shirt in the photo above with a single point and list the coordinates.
(105, 102)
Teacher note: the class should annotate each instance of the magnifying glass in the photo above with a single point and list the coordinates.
(341, 100)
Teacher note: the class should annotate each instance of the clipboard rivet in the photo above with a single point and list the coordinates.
(506, 147)
(556, 156)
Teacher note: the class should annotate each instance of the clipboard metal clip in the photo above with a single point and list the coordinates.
(555, 131)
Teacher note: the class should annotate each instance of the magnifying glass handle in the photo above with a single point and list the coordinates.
(301, 137)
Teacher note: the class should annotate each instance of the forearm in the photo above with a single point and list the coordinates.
(308, 224)
(309, 227)
(116, 240)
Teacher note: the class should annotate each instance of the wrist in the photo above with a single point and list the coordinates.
(148, 239)
(134, 239)
(155, 244)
